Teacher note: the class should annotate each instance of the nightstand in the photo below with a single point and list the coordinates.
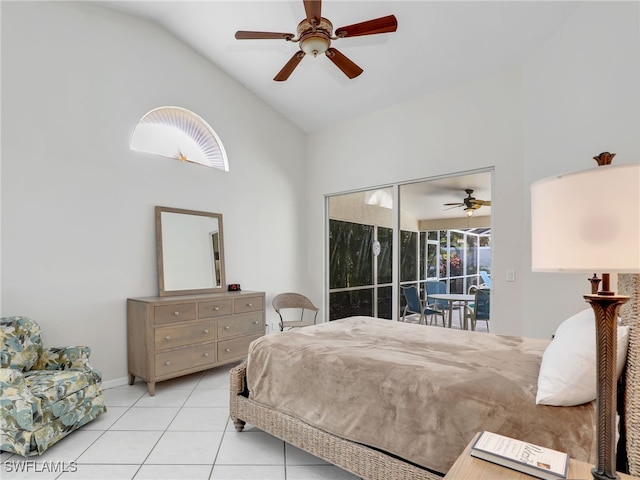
(467, 467)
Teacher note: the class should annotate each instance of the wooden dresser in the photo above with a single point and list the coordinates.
(168, 337)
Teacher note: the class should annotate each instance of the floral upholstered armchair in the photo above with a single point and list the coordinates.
(45, 394)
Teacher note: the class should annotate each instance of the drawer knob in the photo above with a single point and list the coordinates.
(205, 354)
(168, 337)
(216, 308)
(227, 327)
(206, 330)
(255, 322)
(177, 314)
(167, 363)
(249, 304)
(227, 350)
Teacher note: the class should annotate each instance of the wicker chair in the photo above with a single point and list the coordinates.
(294, 301)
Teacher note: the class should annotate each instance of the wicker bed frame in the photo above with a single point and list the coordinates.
(369, 463)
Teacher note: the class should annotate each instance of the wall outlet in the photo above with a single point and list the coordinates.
(511, 275)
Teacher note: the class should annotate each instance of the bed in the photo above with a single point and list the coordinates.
(272, 391)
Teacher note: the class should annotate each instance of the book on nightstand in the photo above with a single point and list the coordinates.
(524, 457)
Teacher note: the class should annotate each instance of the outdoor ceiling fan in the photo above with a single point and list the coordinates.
(470, 203)
(315, 34)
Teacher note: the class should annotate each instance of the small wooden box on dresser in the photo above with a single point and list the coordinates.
(168, 337)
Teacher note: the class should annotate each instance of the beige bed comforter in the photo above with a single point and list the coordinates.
(415, 391)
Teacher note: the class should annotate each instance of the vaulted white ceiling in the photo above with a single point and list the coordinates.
(437, 43)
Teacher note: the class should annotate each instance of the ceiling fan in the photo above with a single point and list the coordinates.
(470, 203)
(315, 34)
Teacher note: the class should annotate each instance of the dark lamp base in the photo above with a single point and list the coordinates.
(603, 476)
(605, 308)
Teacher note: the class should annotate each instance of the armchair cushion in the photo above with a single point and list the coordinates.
(21, 343)
(66, 358)
(51, 386)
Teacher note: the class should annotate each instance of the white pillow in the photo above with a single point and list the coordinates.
(568, 371)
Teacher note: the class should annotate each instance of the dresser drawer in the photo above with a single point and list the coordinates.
(216, 308)
(248, 304)
(235, 348)
(185, 334)
(184, 358)
(240, 325)
(174, 313)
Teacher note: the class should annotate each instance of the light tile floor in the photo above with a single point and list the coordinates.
(183, 432)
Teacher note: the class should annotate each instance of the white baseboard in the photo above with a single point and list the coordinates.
(118, 382)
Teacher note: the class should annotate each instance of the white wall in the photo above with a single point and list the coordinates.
(576, 97)
(469, 126)
(582, 98)
(78, 205)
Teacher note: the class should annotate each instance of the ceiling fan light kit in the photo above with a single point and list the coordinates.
(314, 41)
(470, 203)
(314, 45)
(315, 34)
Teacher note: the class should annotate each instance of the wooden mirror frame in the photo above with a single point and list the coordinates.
(196, 246)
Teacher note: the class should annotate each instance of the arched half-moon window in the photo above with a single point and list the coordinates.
(178, 133)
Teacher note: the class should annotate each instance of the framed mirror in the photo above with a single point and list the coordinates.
(190, 250)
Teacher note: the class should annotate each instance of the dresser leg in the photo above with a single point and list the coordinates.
(132, 378)
(151, 386)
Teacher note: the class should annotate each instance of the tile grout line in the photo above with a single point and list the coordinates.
(167, 427)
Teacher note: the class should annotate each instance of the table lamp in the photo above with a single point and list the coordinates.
(589, 221)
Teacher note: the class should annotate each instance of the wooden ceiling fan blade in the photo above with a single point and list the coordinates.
(480, 203)
(458, 204)
(313, 9)
(289, 66)
(349, 68)
(249, 35)
(371, 27)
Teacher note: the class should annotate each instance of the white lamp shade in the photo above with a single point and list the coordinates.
(587, 221)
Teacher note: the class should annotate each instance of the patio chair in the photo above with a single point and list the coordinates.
(414, 306)
(480, 309)
(433, 287)
(486, 279)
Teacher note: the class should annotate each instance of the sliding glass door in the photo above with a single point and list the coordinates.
(427, 226)
(360, 255)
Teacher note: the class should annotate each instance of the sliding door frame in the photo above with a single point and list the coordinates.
(396, 224)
